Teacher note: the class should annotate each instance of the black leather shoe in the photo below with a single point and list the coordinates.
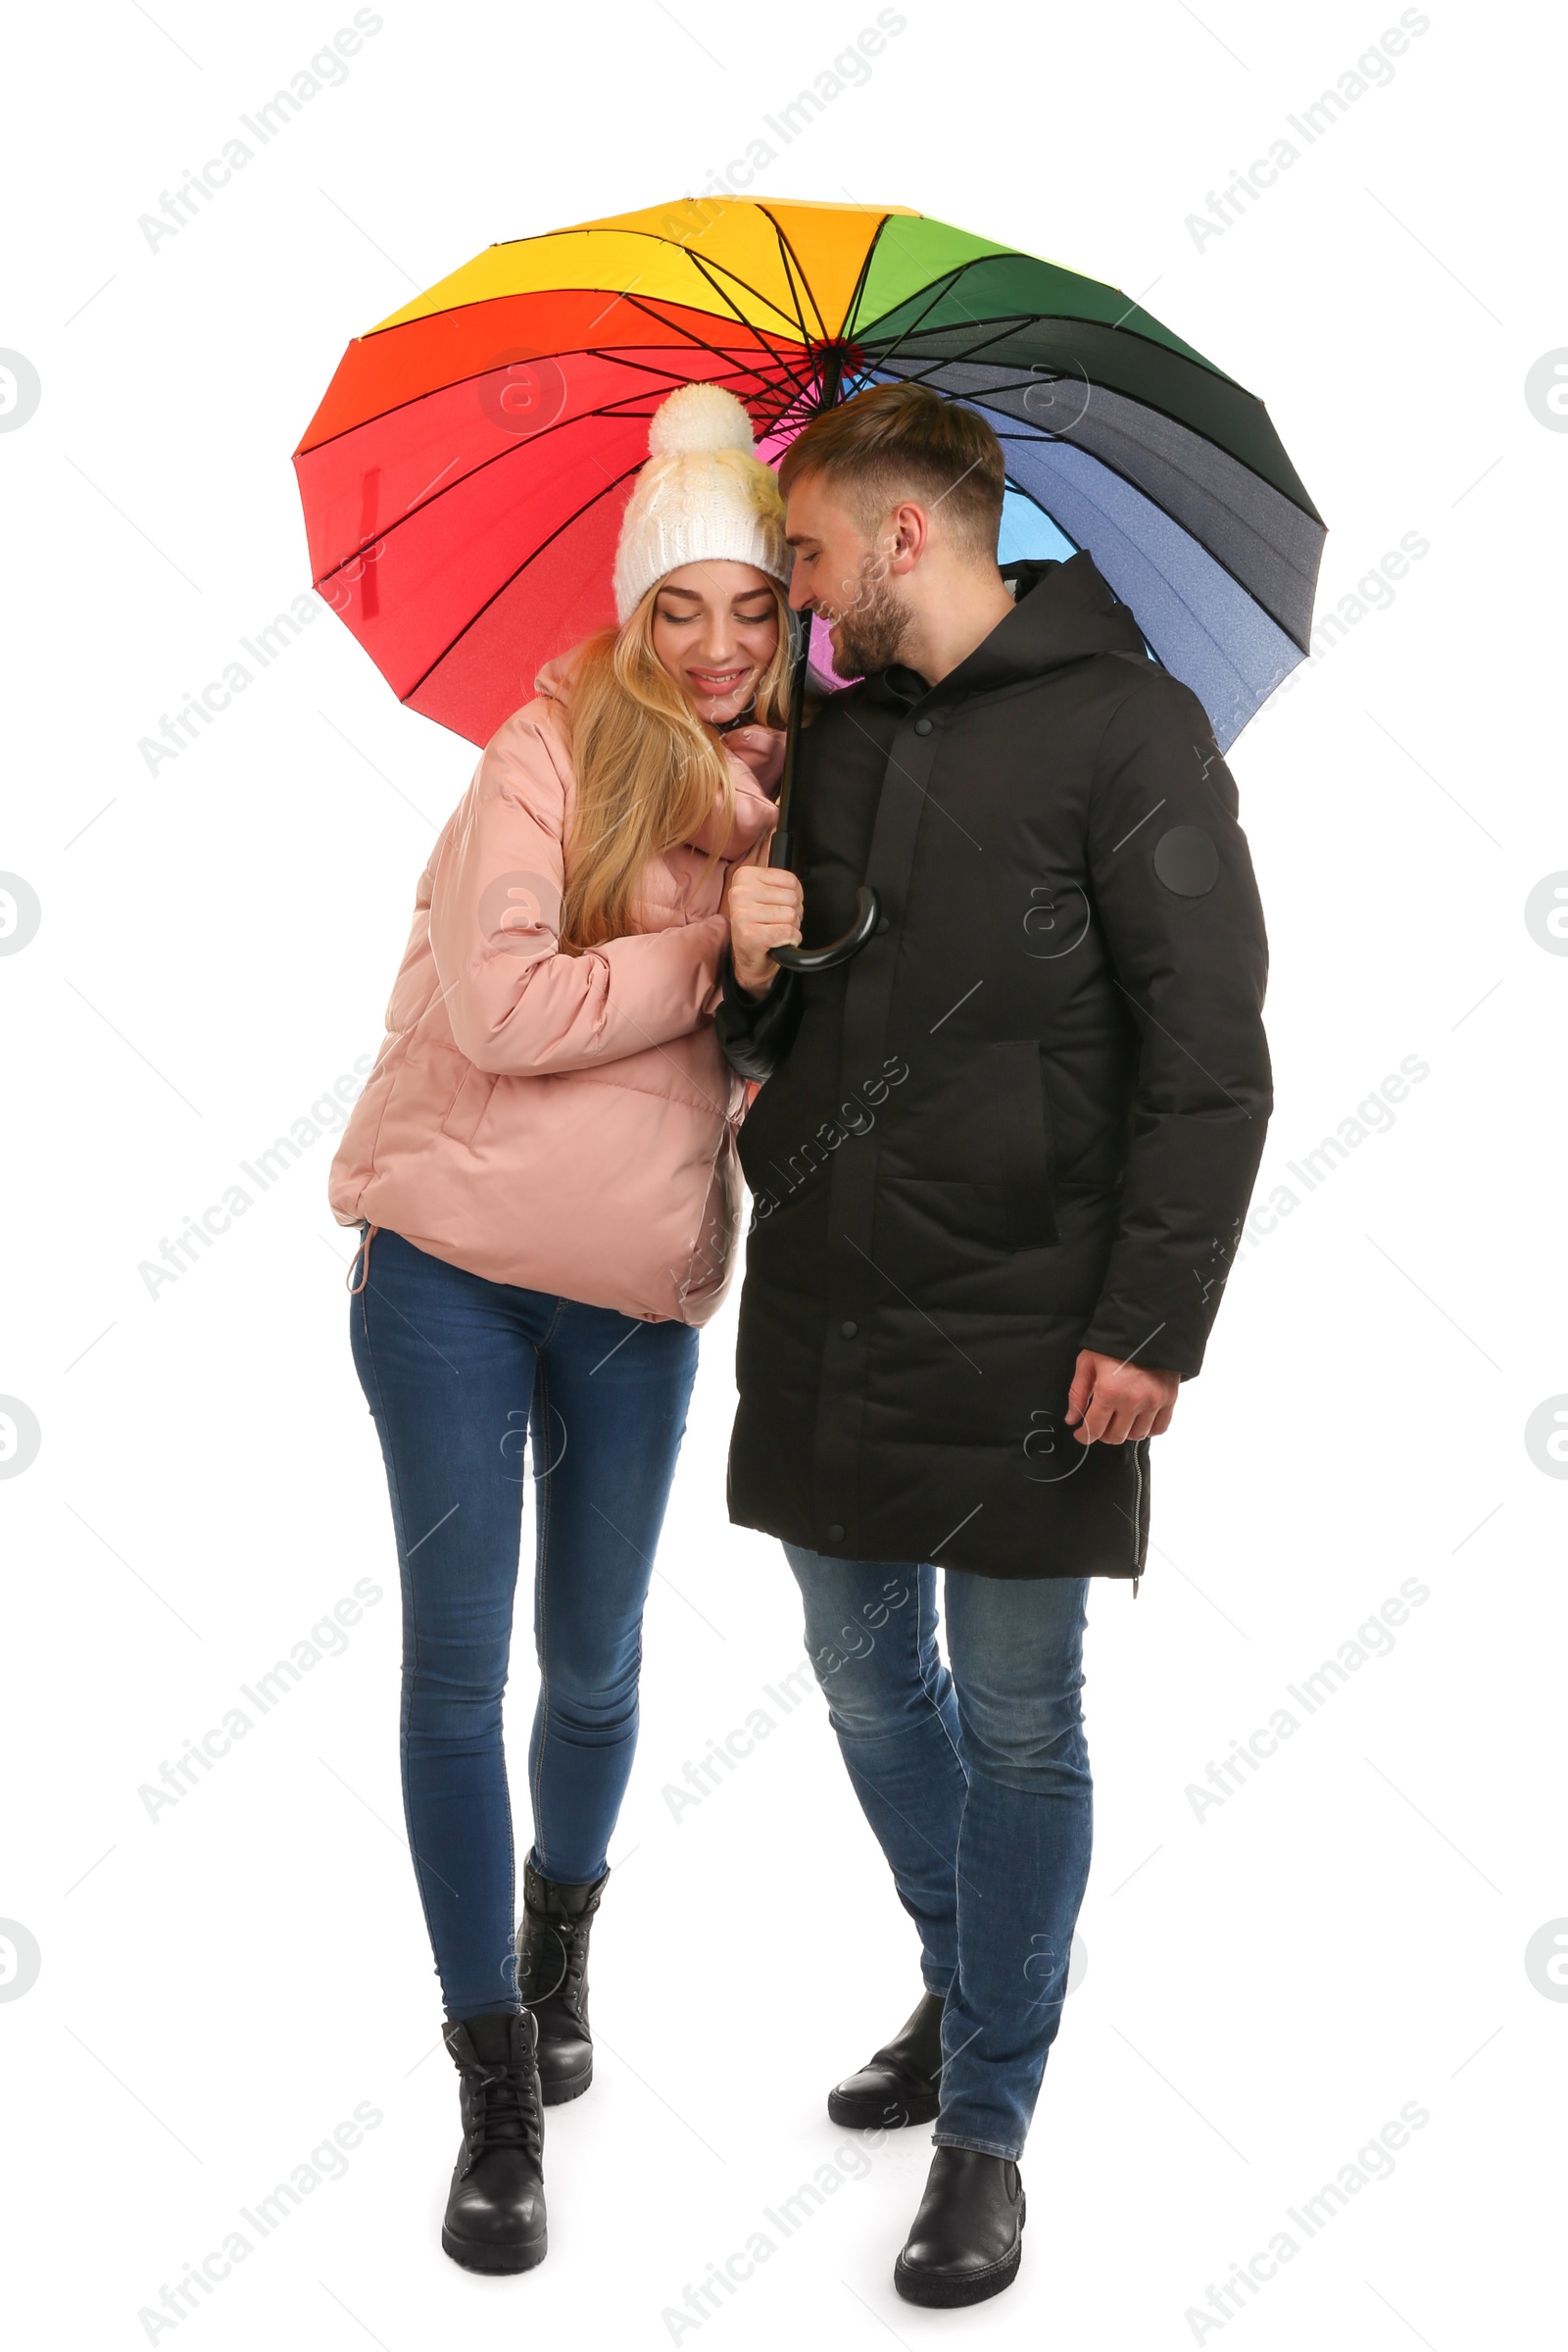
(495, 2218)
(902, 2083)
(552, 1946)
(967, 2237)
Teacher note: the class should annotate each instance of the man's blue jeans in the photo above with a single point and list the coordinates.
(976, 1783)
(457, 1372)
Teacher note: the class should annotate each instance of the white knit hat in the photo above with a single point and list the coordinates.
(704, 492)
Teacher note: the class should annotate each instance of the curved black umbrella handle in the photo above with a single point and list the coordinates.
(867, 915)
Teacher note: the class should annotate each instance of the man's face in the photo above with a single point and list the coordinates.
(845, 576)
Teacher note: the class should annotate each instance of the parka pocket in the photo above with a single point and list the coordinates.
(1026, 1149)
(468, 1104)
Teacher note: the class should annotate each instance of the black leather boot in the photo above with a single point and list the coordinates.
(495, 2219)
(967, 2237)
(902, 2083)
(551, 1945)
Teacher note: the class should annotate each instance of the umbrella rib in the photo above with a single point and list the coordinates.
(1116, 325)
(1197, 537)
(531, 556)
(1070, 316)
(805, 335)
(972, 351)
(949, 282)
(657, 237)
(668, 375)
(516, 574)
(611, 409)
(859, 289)
(701, 262)
(498, 459)
(648, 309)
(615, 409)
(1155, 408)
(701, 342)
(728, 300)
(1033, 439)
(1183, 527)
(622, 410)
(792, 267)
(1040, 508)
(1017, 319)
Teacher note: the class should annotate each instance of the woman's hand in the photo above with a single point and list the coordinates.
(764, 905)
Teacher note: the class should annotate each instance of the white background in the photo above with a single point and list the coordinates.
(1346, 1933)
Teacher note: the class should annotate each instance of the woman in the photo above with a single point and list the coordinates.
(543, 1169)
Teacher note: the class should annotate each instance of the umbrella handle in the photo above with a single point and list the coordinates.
(867, 917)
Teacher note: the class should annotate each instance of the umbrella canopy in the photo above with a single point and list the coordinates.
(464, 477)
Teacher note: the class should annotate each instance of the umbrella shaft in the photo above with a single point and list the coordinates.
(779, 852)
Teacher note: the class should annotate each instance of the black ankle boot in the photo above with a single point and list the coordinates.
(495, 2219)
(902, 2083)
(552, 1946)
(967, 2238)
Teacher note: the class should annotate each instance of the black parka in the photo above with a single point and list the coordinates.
(1025, 1120)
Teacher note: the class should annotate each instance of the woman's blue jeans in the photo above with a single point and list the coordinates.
(976, 1785)
(459, 1372)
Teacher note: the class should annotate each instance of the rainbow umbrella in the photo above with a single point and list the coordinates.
(465, 475)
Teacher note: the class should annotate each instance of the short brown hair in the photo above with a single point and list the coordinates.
(905, 440)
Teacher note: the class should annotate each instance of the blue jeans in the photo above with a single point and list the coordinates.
(457, 1371)
(976, 1785)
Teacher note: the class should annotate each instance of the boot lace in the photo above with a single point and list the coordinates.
(553, 1961)
(504, 2110)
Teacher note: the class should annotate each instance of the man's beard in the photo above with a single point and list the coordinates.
(871, 631)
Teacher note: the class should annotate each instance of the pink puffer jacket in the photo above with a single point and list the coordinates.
(563, 1122)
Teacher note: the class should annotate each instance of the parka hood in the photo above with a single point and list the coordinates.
(1063, 612)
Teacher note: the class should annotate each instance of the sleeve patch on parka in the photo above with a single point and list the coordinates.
(1187, 861)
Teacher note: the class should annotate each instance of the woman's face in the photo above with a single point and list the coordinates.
(716, 630)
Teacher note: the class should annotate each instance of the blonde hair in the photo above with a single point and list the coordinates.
(648, 769)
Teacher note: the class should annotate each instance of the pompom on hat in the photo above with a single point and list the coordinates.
(703, 494)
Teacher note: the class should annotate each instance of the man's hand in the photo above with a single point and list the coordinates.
(764, 905)
(1117, 1402)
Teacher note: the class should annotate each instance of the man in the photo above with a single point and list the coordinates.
(999, 1165)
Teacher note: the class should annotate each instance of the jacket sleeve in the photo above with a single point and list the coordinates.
(1173, 887)
(757, 1032)
(516, 1004)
